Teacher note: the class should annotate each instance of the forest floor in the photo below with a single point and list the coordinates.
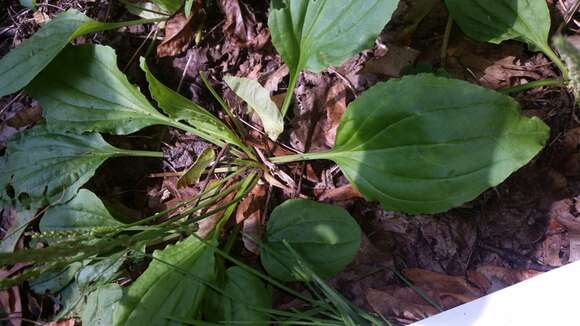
(508, 234)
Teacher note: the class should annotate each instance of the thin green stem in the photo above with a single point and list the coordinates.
(290, 92)
(222, 103)
(134, 153)
(531, 85)
(300, 157)
(556, 60)
(97, 26)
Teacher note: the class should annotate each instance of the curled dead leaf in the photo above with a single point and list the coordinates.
(501, 277)
(441, 283)
(250, 213)
(241, 28)
(344, 193)
(400, 303)
(179, 31)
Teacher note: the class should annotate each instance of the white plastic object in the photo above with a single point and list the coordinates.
(552, 298)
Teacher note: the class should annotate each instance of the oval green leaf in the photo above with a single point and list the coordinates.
(496, 21)
(325, 236)
(425, 144)
(244, 292)
(92, 94)
(24, 62)
(313, 35)
(84, 212)
(172, 288)
(258, 98)
(43, 167)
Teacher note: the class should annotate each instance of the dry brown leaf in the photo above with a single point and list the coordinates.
(179, 32)
(250, 213)
(25, 117)
(11, 304)
(344, 193)
(393, 62)
(334, 107)
(208, 224)
(505, 276)
(241, 28)
(273, 79)
(443, 284)
(479, 280)
(388, 305)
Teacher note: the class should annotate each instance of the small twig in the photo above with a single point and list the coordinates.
(184, 71)
(445, 44)
(14, 99)
(139, 49)
(345, 80)
(572, 11)
(256, 129)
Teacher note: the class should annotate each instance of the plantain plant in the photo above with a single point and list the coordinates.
(419, 144)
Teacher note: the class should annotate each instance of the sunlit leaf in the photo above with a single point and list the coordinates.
(313, 35)
(23, 63)
(84, 212)
(496, 21)
(172, 288)
(258, 98)
(244, 292)
(92, 94)
(425, 144)
(325, 236)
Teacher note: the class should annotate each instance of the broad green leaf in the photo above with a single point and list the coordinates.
(92, 94)
(313, 35)
(243, 293)
(43, 167)
(84, 212)
(13, 234)
(100, 305)
(28, 3)
(24, 62)
(178, 107)
(196, 170)
(425, 144)
(258, 98)
(569, 49)
(173, 286)
(53, 282)
(325, 236)
(100, 272)
(496, 21)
